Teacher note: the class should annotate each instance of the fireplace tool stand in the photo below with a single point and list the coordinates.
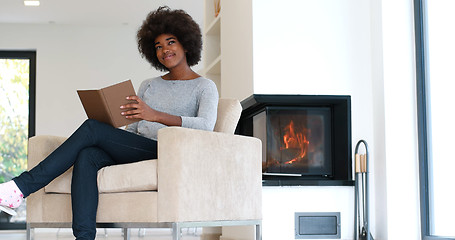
(361, 227)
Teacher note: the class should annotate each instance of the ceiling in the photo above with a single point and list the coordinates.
(91, 12)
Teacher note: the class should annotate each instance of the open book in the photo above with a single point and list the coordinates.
(104, 104)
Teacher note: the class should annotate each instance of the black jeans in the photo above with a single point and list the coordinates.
(91, 147)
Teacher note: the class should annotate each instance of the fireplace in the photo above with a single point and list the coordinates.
(306, 140)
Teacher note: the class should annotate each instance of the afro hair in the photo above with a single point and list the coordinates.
(175, 22)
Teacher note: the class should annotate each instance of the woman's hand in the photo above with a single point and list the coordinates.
(142, 111)
(139, 110)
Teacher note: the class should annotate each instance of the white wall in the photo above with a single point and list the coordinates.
(74, 57)
(393, 73)
(281, 203)
(320, 47)
(400, 132)
(71, 57)
(379, 203)
(364, 49)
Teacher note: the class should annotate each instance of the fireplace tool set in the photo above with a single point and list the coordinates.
(362, 227)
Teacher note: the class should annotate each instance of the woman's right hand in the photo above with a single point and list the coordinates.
(140, 110)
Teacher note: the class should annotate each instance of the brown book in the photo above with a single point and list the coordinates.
(104, 104)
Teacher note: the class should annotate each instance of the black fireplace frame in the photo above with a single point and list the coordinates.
(340, 106)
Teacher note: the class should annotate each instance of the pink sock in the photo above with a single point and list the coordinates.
(10, 195)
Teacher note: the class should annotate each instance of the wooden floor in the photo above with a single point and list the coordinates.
(103, 234)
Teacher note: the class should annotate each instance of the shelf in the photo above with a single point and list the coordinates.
(213, 72)
(214, 27)
(214, 67)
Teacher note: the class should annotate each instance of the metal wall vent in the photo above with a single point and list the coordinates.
(317, 225)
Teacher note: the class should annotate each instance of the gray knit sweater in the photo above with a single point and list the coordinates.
(195, 100)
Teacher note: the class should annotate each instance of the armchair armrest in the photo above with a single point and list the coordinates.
(207, 176)
(39, 147)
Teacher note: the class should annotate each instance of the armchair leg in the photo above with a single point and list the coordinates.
(29, 232)
(126, 233)
(176, 231)
(258, 231)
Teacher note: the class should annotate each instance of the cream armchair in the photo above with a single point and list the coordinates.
(200, 178)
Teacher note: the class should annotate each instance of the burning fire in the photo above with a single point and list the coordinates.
(295, 140)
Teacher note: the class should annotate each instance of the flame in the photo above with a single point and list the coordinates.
(298, 140)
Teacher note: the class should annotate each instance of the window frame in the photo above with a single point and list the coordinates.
(420, 24)
(31, 56)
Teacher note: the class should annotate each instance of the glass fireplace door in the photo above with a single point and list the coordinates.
(297, 140)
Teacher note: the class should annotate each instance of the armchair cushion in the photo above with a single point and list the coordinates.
(133, 177)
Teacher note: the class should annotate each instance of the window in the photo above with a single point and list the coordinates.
(435, 50)
(17, 120)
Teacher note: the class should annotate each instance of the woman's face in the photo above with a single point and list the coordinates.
(169, 51)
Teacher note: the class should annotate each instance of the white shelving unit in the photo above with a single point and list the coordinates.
(228, 47)
(212, 44)
(228, 61)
